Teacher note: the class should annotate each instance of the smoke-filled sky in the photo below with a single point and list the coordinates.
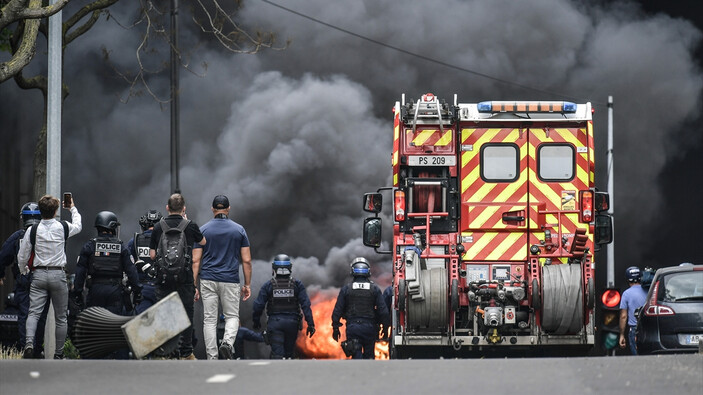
(295, 137)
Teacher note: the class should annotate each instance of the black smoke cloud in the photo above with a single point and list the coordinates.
(295, 137)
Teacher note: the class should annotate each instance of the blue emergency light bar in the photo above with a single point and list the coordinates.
(526, 106)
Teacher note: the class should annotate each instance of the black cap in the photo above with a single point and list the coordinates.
(220, 202)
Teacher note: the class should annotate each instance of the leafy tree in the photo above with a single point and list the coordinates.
(21, 21)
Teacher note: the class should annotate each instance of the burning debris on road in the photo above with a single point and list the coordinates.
(322, 346)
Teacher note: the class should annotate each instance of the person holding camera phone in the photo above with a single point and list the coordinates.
(46, 246)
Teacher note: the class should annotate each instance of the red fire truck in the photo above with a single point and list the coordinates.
(495, 222)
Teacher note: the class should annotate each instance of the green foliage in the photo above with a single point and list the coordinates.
(70, 351)
(5, 36)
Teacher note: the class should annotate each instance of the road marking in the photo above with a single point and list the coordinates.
(220, 378)
(34, 375)
(259, 363)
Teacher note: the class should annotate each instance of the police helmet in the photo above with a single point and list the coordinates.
(633, 274)
(30, 214)
(282, 266)
(107, 220)
(148, 220)
(360, 267)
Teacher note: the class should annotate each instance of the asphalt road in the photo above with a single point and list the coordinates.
(678, 374)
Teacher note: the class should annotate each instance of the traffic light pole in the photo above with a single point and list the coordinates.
(610, 282)
(175, 132)
(53, 142)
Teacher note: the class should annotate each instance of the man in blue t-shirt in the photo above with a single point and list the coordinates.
(632, 299)
(218, 265)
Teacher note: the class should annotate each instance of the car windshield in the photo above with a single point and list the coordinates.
(679, 287)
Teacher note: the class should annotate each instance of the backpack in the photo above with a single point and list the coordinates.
(172, 253)
(647, 277)
(33, 239)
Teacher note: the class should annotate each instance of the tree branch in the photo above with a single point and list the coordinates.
(26, 50)
(77, 32)
(87, 9)
(16, 10)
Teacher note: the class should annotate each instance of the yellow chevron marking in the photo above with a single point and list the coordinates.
(481, 220)
(421, 137)
(503, 247)
(396, 132)
(506, 194)
(466, 157)
(582, 174)
(470, 179)
(521, 255)
(395, 179)
(481, 193)
(478, 245)
(395, 158)
(569, 136)
(465, 133)
(446, 139)
(551, 219)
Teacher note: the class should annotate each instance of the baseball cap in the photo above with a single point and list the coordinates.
(220, 202)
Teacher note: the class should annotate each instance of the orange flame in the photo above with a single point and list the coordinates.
(321, 345)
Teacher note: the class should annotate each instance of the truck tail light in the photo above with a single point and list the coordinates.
(653, 309)
(399, 207)
(586, 201)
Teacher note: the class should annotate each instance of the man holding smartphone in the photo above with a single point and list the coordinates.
(47, 246)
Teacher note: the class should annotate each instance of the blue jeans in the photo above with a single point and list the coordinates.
(48, 283)
(631, 340)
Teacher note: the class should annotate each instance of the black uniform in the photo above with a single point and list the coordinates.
(138, 247)
(361, 305)
(104, 259)
(8, 257)
(185, 288)
(284, 297)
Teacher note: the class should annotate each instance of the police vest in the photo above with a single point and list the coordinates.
(283, 298)
(106, 261)
(141, 245)
(360, 301)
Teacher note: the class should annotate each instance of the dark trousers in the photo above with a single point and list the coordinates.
(186, 291)
(148, 297)
(366, 333)
(282, 330)
(108, 296)
(243, 334)
(22, 283)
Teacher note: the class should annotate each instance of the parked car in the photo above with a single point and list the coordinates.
(671, 321)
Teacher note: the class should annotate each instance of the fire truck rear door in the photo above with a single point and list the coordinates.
(494, 209)
(559, 166)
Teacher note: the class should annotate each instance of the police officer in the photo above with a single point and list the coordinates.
(8, 257)
(104, 260)
(361, 305)
(284, 297)
(138, 248)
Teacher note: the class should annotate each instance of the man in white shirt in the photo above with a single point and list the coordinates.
(49, 260)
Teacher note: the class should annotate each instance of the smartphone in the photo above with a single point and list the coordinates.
(67, 199)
